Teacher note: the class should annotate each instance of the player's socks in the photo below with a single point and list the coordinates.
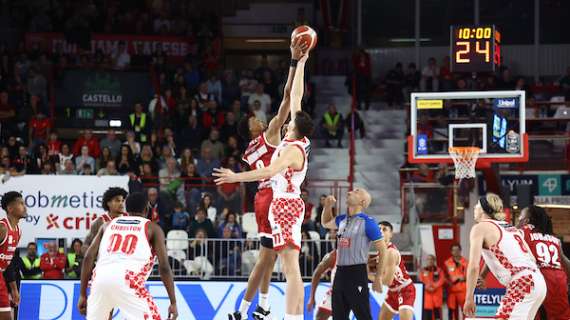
(243, 307)
(261, 314)
(264, 301)
(293, 317)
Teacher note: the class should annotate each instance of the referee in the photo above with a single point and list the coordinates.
(356, 231)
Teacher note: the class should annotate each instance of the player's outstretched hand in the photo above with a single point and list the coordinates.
(469, 308)
(330, 201)
(224, 175)
(82, 305)
(311, 304)
(297, 48)
(172, 312)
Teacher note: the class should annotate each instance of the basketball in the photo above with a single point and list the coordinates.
(307, 34)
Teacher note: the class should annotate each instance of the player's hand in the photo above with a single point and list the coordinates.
(304, 58)
(377, 284)
(469, 308)
(224, 176)
(297, 48)
(330, 201)
(82, 305)
(15, 298)
(311, 304)
(172, 312)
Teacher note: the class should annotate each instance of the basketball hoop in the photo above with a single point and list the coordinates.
(464, 159)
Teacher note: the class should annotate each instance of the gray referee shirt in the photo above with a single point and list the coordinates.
(354, 236)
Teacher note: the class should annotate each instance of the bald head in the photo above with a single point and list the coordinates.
(359, 197)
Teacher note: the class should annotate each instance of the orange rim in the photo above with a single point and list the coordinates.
(464, 150)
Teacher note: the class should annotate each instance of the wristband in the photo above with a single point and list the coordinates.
(294, 63)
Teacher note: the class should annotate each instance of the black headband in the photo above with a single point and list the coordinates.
(486, 206)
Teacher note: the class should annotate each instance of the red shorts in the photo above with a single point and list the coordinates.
(401, 299)
(286, 217)
(4, 296)
(456, 300)
(556, 301)
(261, 205)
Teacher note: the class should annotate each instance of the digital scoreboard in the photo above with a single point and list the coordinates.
(475, 48)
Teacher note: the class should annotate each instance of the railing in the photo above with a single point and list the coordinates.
(233, 259)
(432, 202)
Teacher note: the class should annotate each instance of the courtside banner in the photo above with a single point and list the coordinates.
(176, 48)
(200, 300)
(60, 206)
(488, 301)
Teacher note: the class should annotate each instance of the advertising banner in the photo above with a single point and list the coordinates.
(60, 206)
(200, 300)
(541, 184)
(103, 89)
(176, 48)
(488, 300)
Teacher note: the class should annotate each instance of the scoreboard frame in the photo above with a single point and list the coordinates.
(474, 48)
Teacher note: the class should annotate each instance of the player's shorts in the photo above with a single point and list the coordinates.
(286, 217)
(401, 299)
(523, 298)
(261, 204)
(456, 300)
(125, 290)
(326, 304)
(556, 301)
(4, 296)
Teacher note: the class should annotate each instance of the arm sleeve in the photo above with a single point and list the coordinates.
(372, 230)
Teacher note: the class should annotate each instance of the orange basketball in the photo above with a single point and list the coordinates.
(307, 34)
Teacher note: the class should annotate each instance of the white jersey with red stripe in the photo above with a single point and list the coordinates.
(125, 245)
(545, 248)
(258, 155)
(287, 183)
(510, 255)
(401, 276)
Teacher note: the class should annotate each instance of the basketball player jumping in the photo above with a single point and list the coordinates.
(264, 141)
(13, 205)
(509, 258)
(114, 203)
(125, 249)
(401, 291)
(287, 171)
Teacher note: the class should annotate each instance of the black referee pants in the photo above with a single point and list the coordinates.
(350, 292)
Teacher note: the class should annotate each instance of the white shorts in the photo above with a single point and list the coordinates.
(326, 303)
(524, 296)
(115, 289)
(286, 217)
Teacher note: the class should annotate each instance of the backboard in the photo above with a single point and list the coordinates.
(493, 121)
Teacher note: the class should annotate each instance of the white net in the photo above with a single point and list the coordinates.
(464, 159)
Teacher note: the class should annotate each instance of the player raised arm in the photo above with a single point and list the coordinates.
(298, 87)
(291, 156)
(476, 244)
(326, 264)
(327, 217)
(87, 269)
(274, 127)
(157, 240)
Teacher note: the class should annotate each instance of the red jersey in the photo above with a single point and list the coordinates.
(401, 277)
(9, 244)
(40, 127)
(258, 155)
(544, 247)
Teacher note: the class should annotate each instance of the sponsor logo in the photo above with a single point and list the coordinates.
(70, 223)
(430, 104)
(102, 90)
(506, 103)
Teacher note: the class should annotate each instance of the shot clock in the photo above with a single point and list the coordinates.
(475, 48)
